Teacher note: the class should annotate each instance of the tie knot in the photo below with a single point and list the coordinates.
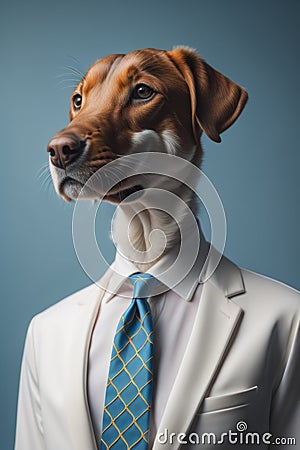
(143, 284)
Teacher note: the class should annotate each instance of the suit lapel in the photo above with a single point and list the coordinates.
(216, 322)
(76, 405)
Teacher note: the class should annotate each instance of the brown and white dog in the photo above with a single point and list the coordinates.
(229, 357)
(147, 100)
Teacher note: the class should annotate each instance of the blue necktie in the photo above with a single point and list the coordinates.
(126, 418)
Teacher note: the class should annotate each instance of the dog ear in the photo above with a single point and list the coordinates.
(216, 101)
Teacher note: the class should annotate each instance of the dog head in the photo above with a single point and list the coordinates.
(147, 100)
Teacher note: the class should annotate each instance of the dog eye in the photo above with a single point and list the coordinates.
(77, 100)
(143, 92)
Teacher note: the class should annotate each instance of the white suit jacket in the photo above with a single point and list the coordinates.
(240, 371)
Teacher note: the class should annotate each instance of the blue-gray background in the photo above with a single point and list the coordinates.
(255, 169)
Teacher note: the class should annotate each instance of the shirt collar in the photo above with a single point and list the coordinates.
(181, 274)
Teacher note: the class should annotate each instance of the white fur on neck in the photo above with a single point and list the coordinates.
(136, 238)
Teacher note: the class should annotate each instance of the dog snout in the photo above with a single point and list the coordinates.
(64, 150)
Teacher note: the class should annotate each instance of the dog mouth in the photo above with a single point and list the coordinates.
(117, 196)
(72, 189)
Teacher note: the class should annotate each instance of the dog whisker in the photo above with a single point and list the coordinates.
(65, 74)
(76, 60)
(65, 80)
(47, 183)
(43, 170)
(44, 166)
(60, 84)
(70, 86)
(75, 70)
(72, 74)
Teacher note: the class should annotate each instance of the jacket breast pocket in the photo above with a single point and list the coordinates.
(228, 401)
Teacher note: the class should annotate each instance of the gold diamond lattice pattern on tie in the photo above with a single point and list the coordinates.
(129, 387)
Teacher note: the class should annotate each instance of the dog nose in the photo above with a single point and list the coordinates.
(64, 150)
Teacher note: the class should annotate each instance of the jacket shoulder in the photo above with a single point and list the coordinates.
(83, 297)
(265, 290)
(63, 312)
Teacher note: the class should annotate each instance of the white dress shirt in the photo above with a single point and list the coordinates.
(173, 315)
